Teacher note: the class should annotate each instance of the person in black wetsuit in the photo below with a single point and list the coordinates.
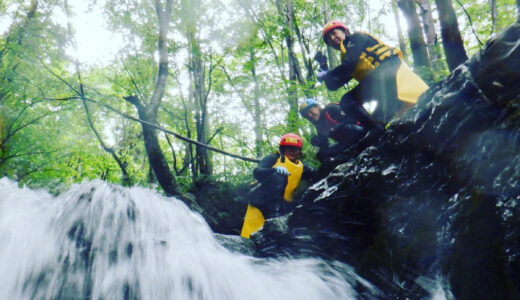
(331, 122)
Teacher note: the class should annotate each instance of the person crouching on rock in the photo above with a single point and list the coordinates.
(278, 176)
(379, 69)
(331, 122)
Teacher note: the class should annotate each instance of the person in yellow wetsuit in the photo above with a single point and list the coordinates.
(381, 73)
(278, 176)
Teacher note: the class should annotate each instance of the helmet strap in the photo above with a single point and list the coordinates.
(282, 155)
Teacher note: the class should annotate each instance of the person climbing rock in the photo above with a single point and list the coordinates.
(278, 176)
(330, 121)
(381, 73)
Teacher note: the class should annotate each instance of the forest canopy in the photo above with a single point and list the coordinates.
(228, 74)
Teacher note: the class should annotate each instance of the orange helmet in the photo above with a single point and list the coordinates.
(331, 26)
(291, 139)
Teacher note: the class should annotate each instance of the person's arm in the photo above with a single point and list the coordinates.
(335, 112)
(354, 44)
(332, 81)
(322, 60)
(321, 140)
(309, 173)
(264, 168)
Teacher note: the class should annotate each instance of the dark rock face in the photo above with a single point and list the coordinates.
(437, 196)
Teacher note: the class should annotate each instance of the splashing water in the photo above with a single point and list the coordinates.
(101, 241)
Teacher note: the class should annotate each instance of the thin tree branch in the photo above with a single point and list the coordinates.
(59, 78)
(215, 133)
(240, 94)
(15, 155)
(158, 127)
(11, 133)
(134, 83)
(470, 23)
(174, 157)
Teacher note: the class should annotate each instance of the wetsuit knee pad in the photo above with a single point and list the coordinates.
(353, 134)
(278, 182)
(355, 111)
(271, 189)
(268, 196)
(348, 102)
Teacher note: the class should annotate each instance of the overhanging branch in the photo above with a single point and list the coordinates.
(158, 127)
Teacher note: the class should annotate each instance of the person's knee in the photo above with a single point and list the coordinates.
(337, 149)
(354, 132)
(278, 182)
(322, 154)
(348, 102)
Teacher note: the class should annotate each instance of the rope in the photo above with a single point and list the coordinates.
(158, 127)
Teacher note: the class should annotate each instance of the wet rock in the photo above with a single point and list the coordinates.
(437, 196)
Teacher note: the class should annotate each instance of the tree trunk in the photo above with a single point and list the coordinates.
(156, 157)
(400, 36)
(331, 52)
(421, 61)
(493, 10)
(2, 133)
(430, 33)
(192, 11)
(187, 117)
(198, 94)
(259, 140)
(518, 10)
(148, 113)
(451, 37)
(307, 59)
(286, 12)
(188, 153)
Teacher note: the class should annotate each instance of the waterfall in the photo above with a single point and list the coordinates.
(103, 241)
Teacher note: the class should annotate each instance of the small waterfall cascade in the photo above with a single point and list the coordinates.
(103, 241)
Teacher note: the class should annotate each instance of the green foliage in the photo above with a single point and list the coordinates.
(244, 59)
(476, 23)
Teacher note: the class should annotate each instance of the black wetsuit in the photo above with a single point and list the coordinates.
(344, 128)
(268, 194)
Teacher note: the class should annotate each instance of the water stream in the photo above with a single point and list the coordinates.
(101, 241)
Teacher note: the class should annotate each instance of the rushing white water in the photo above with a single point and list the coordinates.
(100, 241)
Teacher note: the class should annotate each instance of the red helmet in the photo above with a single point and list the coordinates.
(291, 139)
(331, 26)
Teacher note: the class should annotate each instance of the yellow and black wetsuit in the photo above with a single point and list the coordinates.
(382, 75)
(275, 191)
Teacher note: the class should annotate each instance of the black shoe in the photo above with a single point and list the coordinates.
(370, 138)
